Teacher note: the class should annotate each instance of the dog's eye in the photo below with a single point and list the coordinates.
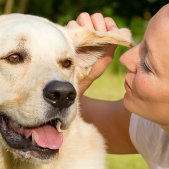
(67, 63)
(14, 58)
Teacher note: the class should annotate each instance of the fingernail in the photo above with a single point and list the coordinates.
(111, 27)
(110, 24)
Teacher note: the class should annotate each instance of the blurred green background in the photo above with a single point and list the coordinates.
(133, 14)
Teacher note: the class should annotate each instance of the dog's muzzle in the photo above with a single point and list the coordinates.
(44, 140)
(59, 94)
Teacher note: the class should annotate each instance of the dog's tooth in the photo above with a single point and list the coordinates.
(33, 140)
(58, 126)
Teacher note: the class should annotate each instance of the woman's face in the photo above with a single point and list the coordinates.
(147, 79)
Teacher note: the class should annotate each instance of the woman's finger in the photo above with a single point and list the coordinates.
(110, 24)
(98, 22)
(84, 19)
(72, 23)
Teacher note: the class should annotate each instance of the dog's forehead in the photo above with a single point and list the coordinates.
(37, 30)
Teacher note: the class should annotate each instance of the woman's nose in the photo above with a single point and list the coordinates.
(130, 59)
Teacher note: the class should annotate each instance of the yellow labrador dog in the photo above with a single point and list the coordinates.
(41, 64)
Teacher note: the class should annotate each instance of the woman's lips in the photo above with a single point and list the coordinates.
(127, 87)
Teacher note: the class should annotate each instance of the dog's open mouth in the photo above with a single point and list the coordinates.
(43, 141)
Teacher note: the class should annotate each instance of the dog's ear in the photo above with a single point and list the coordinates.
(90, 45)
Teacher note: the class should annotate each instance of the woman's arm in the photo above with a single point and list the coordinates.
(112, 120)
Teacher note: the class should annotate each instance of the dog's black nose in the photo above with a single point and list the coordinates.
(59, 94)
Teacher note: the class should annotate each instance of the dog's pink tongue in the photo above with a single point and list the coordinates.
(46, 137)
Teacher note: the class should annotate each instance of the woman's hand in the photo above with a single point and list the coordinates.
(98, 23)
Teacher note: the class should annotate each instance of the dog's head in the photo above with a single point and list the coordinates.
(40, 66)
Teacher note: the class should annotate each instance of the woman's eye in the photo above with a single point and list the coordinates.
(144, 66)
(14, 59)
(67, 63)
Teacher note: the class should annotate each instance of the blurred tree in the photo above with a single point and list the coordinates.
(22, 6)
(68, 9)
(8, 6)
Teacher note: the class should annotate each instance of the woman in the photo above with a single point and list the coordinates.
(140, 122)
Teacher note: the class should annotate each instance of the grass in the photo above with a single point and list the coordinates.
(110, 87)
(125, 162)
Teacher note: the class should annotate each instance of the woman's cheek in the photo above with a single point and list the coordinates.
(142, 87)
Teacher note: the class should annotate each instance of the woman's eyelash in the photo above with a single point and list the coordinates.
(145, 66)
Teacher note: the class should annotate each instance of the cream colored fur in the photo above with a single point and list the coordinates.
(44, 44)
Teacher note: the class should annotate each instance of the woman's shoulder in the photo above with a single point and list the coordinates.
(150, 140)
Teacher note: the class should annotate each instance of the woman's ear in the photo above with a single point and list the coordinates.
(90, 45)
